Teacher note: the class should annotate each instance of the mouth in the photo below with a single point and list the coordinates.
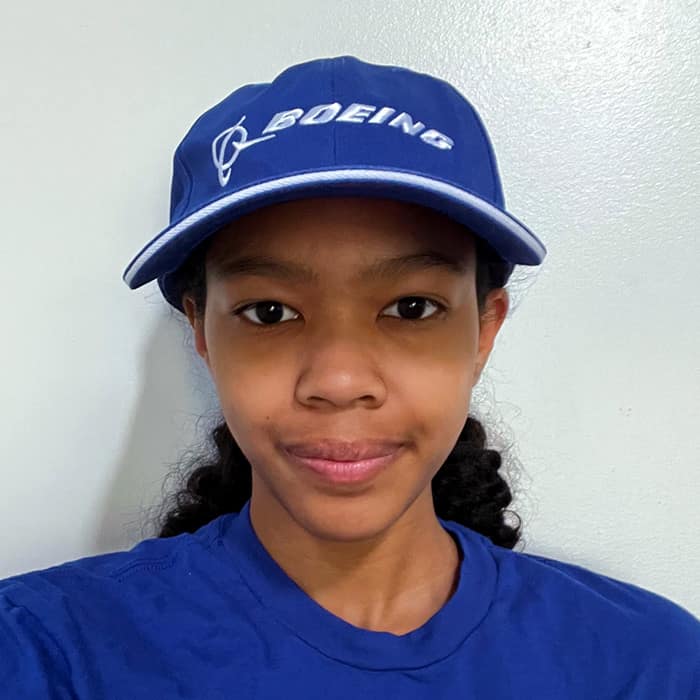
(343, 451)
(347, 471)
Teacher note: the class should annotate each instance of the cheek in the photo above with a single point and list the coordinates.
(256, 398)
(434, 393)
(441, 371)
(252, 397)
(438, 405)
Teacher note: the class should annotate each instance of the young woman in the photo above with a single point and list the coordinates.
(339, 245)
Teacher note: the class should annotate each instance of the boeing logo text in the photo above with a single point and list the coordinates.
(229, 144)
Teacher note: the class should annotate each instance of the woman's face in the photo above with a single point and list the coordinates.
(337, 357)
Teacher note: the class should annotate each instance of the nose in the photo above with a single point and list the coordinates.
(341, 368)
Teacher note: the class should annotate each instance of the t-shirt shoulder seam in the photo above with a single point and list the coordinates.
(168, 560)
(160, 563)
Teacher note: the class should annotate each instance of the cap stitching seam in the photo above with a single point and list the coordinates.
(190, 179)
(335, 129)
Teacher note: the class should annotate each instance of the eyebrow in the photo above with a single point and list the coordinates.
(298, 272)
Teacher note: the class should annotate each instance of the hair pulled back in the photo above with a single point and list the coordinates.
(467, 488)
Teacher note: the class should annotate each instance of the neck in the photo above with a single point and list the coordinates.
(394, 581)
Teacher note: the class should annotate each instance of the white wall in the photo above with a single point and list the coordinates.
(593, 110)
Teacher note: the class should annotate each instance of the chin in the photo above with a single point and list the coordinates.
(349, 519)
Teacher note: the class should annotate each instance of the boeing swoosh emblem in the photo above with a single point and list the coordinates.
(237, 137)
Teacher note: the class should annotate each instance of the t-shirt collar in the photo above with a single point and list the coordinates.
(436, 639)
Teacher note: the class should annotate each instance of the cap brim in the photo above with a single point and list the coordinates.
(511, 239)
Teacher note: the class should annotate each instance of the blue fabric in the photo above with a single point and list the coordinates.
(211, 615)
(333, 126)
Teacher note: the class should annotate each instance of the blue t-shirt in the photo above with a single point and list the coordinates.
(211, 615)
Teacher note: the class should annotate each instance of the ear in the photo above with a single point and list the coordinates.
(490, 322)
(197, 323)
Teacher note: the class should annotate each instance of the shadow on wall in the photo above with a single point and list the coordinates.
(176, 391)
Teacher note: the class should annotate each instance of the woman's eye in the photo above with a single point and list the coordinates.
(270, 312)
(414, 307)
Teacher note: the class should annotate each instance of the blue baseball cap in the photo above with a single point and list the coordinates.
(333, 126)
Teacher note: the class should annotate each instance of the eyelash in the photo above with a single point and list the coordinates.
(441, 309)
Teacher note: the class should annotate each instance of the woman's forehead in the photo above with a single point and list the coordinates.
(326, 224)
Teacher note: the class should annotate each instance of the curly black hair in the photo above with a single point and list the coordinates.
(467, 488)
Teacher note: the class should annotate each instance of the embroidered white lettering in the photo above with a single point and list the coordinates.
(282, 120)
(405, 122)
(356, 113)
(231, 142)
(320, 114)
(435, 138)
(382, 115)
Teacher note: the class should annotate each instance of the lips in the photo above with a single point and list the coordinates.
(342, 451)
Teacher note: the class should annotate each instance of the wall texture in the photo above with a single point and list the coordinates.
(593, 110)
